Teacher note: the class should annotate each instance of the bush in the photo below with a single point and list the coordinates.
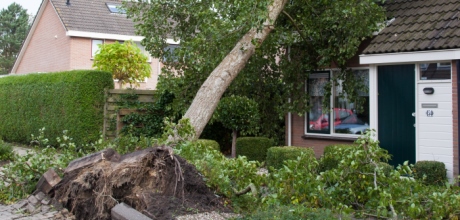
(293, 212)
(211, 144)
(71, 100)
(327, 161)
(430, 172)
(276, 155)
(254, 148)
(6, 151)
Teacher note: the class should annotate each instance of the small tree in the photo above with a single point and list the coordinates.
(126, 62)
(240, 114)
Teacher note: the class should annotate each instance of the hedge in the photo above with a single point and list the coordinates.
(71, 100)
(212, 144)
(327, 161)
(277, 155)
(254, 148)
(433, 171)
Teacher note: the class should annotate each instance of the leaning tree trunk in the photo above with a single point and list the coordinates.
(208, 96)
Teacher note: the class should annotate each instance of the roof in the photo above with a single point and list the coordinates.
(418, 25)
(93, 16)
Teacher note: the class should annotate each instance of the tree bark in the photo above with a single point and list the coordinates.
(208, 96)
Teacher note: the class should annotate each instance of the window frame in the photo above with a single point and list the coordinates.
(94, 47)
(438, 64)
(331, 132)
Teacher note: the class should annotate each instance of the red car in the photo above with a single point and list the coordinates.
(321, 121)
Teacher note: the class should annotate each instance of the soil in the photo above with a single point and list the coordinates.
(153, 181)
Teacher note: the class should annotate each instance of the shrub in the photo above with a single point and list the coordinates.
(294, 212)
(254, 148)
(276, 155)
(211, 144)
(430, 172)
(6, 151)
(328, 161)
(71, 100)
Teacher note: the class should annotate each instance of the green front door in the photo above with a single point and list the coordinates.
(396, 104)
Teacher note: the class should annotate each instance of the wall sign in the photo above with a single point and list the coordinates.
(429, 105)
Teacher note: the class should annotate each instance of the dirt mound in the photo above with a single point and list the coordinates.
(153, 181)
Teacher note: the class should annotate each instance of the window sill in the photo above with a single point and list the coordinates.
(330, 137)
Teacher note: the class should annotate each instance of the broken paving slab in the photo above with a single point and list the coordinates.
(125, 212)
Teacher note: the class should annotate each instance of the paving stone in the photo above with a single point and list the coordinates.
(32, 200)
(20, 204)
(47, 181)
(40, 196)
(46, 201)
(31, 208)
(45, 208)
(125, 212)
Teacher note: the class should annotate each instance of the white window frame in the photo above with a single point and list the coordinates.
(94, 46)
(332, 133)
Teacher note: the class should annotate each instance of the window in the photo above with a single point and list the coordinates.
(170, 49)
(345, 117)
(115, 8)
(95, 47)
(435, 71)
(146, 53)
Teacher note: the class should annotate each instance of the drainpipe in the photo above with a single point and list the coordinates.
(458, 112)
(289, 143)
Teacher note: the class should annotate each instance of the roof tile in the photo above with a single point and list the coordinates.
(419, 25)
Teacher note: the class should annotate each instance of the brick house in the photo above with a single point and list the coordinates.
(65, 35)
(411, 69)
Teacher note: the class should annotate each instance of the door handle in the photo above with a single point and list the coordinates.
(413, 114)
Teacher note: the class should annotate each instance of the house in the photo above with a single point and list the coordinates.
(65, 35)
(411, 68)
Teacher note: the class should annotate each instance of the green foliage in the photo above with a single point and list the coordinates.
(14, 26)
(317, 34)
(430, 172)
(239, 114)
(292, 212)
(328, 160)
(72, 101)
(125, 61)
(149, 120)
(254, 148)
(223, 175)
(212, 144)
(6, 151)
(277, 155)
(127, 143)
(177, 133)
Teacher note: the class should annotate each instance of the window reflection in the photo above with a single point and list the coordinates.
(435, 71)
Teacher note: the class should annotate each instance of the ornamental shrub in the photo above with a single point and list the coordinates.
(277, 155)
(71, 100)
(254, 148)
(211, 144)
(430, 172)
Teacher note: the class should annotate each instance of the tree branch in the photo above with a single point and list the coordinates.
(295, 25)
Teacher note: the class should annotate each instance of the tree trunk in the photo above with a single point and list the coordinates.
(234, 143)
(208, 96)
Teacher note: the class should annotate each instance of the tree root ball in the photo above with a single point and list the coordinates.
(153, 181)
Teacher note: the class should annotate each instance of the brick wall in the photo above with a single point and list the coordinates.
(48, 49)
(455, 116)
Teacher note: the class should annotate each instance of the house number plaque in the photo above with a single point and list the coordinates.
(429, 113)
(429, 105)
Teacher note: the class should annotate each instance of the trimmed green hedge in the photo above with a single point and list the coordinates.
(254, 148)
(71, 100)
(212, 144)
(434, 171)
(276, 155)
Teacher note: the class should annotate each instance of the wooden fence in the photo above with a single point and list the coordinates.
(114, 110)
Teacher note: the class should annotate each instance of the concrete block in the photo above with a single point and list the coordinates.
(20, 204)
(32, 200)
(40, 196)
(125, 212)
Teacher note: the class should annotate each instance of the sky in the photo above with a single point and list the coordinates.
(31, 5)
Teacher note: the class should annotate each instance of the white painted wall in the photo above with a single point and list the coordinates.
(434, 134)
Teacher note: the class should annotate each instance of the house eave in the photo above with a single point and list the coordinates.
(95, 35)
(410, 57)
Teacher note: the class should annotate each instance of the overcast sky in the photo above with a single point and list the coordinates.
(31, 5)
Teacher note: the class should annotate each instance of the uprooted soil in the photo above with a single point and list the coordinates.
(153, 181)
